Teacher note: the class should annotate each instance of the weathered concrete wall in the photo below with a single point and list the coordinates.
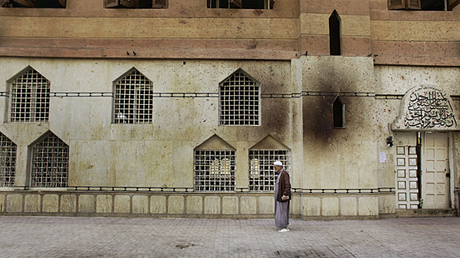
(338, 158)
(296, 108)
(157, 154)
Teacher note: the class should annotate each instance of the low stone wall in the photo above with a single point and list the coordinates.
(188, 205)
(242, 205)
(340, 206)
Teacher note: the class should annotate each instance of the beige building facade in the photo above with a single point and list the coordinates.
(179, 108)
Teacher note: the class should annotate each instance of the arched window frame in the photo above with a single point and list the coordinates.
(29, 97)
(48, 162)
(8, 157)
(132, 99)
(239, 100)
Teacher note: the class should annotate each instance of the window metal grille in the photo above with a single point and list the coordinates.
(30, 98)
(7, 161)
(239, 100)
(133, 99)
(50, 163)
(262, 175)
(214, 170)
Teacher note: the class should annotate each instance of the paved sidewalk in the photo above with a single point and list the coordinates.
(146, 237)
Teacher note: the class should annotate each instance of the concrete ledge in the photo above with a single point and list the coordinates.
(425, 213)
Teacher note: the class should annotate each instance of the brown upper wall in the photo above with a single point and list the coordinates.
(405, 37)
(343, 7)
(176, 9)
(188, 29)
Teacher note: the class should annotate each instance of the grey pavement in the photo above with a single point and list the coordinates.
(153, 237)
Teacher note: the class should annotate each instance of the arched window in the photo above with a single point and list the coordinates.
(214, 166)
(29, 97)
(133, 99)
(335, 34)
(49, 162)
(239, 100)
(7, 161)
(262, 175)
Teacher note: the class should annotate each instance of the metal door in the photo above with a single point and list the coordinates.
(406, 178)
(435, 171)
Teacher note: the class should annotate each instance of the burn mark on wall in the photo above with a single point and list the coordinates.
(318, 109)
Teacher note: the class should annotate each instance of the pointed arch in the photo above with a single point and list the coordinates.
(133, 99)
(49, 162)
(338, 113)
(426, 108)
(261, 157)
(335, 33)
(214, 166)
(239, 100)
(29, 97)
(7, 161)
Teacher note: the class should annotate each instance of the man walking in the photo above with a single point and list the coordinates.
(282, 197)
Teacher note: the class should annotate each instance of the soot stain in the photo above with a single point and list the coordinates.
(276, 115)
(318, 111)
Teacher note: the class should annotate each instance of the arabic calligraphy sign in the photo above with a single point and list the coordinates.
(428, 108)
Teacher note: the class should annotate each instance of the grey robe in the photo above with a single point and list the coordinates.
(281, 209)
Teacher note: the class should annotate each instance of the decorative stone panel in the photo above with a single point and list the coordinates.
(212, 205)
(50, 203)
(32, 203)
(68, 203)
(104, 203)
(2, 203)
(176, 204)
(311, 206)
(140, 204)
(14, 203)
(330, 206)
(267, 204)
(230, 205)
(248, 205)
(122, 204)
(194, 205)
(157, 204)
(348, 206)
(86, 203)
(426, 108)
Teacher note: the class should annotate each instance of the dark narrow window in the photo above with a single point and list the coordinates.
(426, 5)
(334, 33)
(338, 113)
(452, 3)
(241, 4)
(136, 3)
(34, 3)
